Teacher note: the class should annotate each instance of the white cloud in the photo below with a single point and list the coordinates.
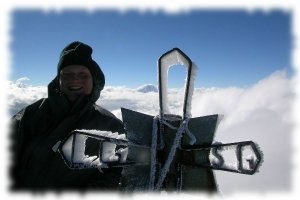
(21, 94)
(261, 113)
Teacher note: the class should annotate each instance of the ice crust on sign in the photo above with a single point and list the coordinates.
(79, 148)
(108, 152)
(175, 58)
(103, 133)
(77, 144)
(67, 148)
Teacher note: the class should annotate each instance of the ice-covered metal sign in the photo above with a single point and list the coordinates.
(164, 152)
(181, 152)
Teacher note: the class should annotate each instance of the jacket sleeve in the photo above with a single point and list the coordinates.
(115, 124)
(16, 144)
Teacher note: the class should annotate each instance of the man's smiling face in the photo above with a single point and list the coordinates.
(75, 80)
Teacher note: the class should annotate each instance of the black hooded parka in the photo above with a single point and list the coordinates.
(39, 126)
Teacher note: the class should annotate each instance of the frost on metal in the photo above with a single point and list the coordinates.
(165, 152)
(170, 137)
(93, 149)
(180, 154)
(166, 61)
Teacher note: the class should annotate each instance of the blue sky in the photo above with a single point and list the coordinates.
(230, 47)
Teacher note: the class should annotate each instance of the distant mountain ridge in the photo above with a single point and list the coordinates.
(147, 88)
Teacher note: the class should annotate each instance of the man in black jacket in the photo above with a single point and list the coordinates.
(70, 105)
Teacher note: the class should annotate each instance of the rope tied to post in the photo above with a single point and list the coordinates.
(182, 129)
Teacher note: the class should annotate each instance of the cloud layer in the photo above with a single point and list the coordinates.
(261, 113)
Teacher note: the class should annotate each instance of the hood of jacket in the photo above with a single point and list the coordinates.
(78, 53)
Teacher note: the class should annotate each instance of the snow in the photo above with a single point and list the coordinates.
(191, 91)
(74, 149)
(91, 162)
(108, 152)
(123, 154)
(169, 60)
(67, 148)
(100, 133)
(79, 148)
